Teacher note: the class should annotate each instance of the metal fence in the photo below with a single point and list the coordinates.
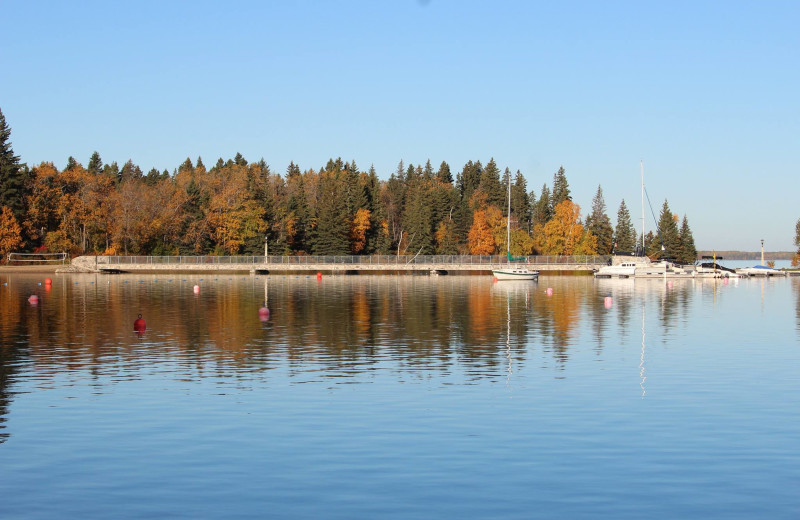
(380, 261)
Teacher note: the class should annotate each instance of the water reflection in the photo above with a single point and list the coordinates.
(339, 329)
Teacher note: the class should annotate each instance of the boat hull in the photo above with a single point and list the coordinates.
(515, 274)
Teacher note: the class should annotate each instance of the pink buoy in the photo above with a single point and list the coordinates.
(669, 285)
(33, 299)
(196, 289)
(725, 281)
(608, 302)
(263, 314)
(549, 291)
(139, 325)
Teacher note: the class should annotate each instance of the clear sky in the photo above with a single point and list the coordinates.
(707, 94)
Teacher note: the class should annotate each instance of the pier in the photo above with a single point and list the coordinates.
(337, 264)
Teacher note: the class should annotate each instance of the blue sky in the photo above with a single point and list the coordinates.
(707, 94)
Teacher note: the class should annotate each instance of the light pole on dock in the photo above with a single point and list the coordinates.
(762, 252)
(266, 249)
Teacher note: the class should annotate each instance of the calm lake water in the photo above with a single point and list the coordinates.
(398, 397)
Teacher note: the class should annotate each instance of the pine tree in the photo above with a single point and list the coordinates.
(688, 251)
(624, 234)
(12, 174)
(599, 224)
(560, 188)
(95, 164)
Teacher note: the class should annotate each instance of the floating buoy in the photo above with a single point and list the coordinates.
(48, 281)
(33, 299)
(319, 276)
(39, 284)
(196, 289)
(139, 325)
(608, 302)
(669, 284)
(725, 281)
(549, 291)
(263, 313)
(494, 279)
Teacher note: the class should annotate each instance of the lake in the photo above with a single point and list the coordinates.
(398, 397)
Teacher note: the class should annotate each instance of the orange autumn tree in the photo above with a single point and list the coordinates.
(480, 240)
(10, 232)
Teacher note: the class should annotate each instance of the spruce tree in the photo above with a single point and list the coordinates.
(95, 164)
(71, 164)
(796, 259)
(560, 188)
(490, 184)
(624, 234)
(543, 209)
(332, 234)
(688, 251)
(444, 174)
(599, 224)
(12, 175)
(520, 204)
(668, 233)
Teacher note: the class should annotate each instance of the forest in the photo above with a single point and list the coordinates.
(234, 206)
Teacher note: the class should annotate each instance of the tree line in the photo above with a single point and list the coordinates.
(337, 209)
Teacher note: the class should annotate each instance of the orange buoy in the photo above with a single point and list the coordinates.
(139, 325)
(48, 281)
(319, 276)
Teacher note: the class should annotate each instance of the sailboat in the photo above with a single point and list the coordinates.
(511, 271)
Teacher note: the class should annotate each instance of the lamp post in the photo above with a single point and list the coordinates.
(266, 249)
(762, 252)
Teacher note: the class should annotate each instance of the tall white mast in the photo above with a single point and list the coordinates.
(508, 223)
(641, 169)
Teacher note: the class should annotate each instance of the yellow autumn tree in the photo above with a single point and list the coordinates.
(564, 231)
(10, 232)
(480, 240)
(358, 230)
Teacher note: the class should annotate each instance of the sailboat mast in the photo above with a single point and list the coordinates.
(641, 170)
(508, 222)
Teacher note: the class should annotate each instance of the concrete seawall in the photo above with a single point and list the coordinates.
(351, 264)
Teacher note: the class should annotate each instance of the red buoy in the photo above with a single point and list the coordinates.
(319, 276)
(139, 326)
(263, 314)
(48, 281)
(33, 299)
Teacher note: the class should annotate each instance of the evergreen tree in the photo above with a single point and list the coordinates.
(112, 170)
(427, 172)
(469, 179)
(543, 209)
(688, 251)
(560, 188)
(238, 159)
(599, 224)
(796, 259)
(490, 184)
(444, 174)
(200, 165)
(71, 164)
(624, 234)
(332, 234)
(12, 175)
(667, 233)
(95, 164)
(418, 220)
(520, 203)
